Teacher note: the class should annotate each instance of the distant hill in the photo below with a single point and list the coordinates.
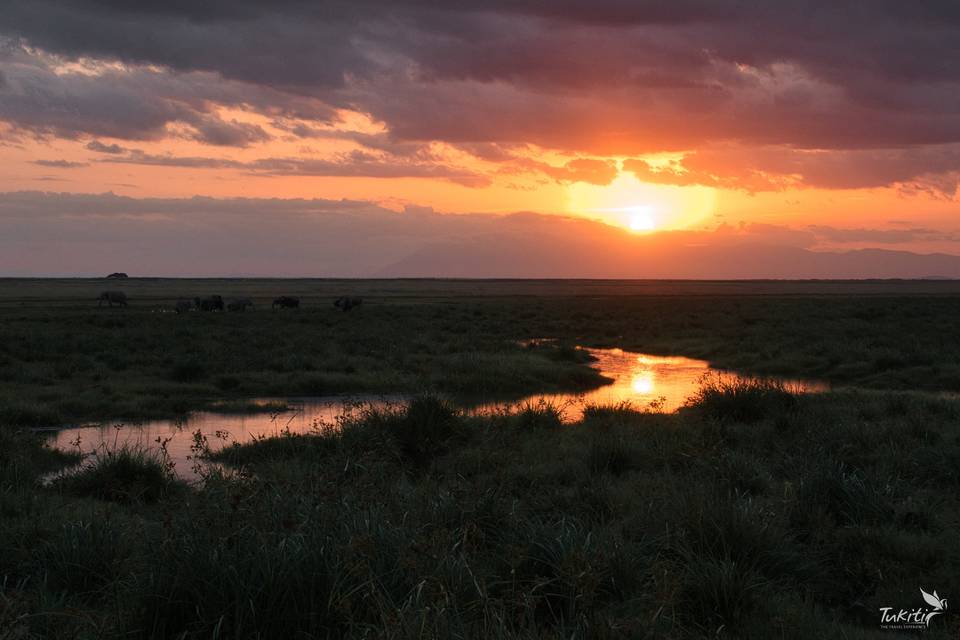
(575, 258)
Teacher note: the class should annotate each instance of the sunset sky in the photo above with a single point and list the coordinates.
(237, 137)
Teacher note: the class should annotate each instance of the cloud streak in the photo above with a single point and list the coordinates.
(352, 165)
(60, 164)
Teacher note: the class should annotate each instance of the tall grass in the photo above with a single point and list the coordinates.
(426, 522)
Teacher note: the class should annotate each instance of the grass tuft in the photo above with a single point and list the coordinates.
(125, 475)
(540, 415)
(424, 429)
(744, 401)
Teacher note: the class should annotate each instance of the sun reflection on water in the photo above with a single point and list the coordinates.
(643, 383)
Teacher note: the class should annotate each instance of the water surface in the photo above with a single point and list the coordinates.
(648, 382)
(658, 383)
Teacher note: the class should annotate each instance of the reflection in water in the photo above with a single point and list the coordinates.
(647, 382)
(661, 383)
(184, 439)
(643, 383)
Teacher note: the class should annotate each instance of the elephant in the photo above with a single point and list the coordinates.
(182, 306)
(111, 297)
(346, 303)
(286, 302)
(239, 304)
(210, 303)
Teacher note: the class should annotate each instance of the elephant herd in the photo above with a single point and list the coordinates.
(212, 303)
(217, 303)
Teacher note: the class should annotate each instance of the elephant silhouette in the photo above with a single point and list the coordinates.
(286, 302)
(112, 297)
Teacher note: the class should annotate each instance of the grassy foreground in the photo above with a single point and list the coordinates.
(752, 514)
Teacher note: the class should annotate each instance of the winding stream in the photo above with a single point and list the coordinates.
(660, 383)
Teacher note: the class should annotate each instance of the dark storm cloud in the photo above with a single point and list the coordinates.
(39, 100)
(278, 44)
(134, 104)
(606, 77)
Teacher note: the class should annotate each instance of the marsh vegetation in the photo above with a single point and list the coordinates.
(751, 513)
(63, 360)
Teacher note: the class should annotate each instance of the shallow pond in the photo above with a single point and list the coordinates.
(660, 383)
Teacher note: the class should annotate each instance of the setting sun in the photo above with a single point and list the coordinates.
(642, 219)
(642, 207)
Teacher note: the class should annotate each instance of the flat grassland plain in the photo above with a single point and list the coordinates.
(752, 512)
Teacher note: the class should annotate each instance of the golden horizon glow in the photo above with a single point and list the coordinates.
(626, 202)
(640, 206)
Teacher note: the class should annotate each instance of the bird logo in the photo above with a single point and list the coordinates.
(939, 605)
